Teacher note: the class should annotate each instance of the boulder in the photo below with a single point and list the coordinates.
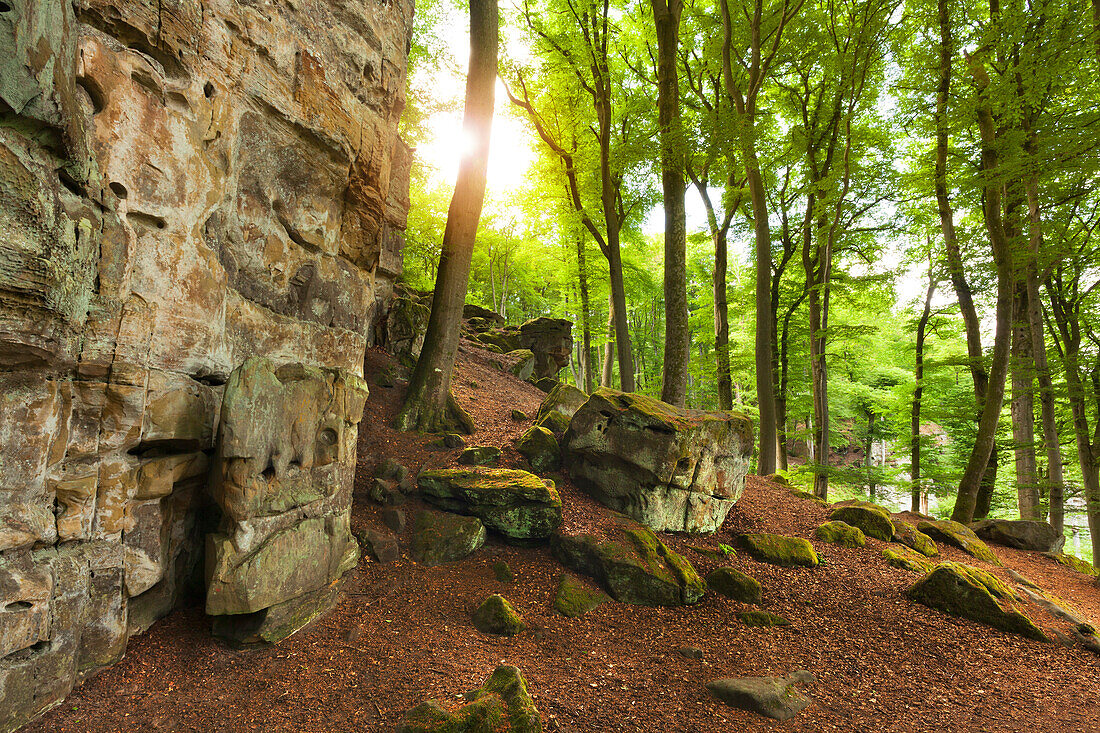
(497, 616)
(406, 324)
(480, 455)
(872, 519)
(555, 422)
(575, 598)
(761, 619)
(439, 537)
(546, 384)
(734, 584)
(517, 504)
(539, 446)
(502, 571)
(1023, 534)
(960, 536)
(906, 559)
(564, 399)
(779, 549)
(908, 535)
(669, 468)
(632, 563)
(501, 705)
(378, 544)
(502, 339)
(551, 340)
(472, 310)
(975, 595)
(519, 416)
(523, 365)
(840, 533)
(774, 697)
(1075, 563)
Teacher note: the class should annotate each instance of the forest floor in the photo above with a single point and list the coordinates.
(402, 632)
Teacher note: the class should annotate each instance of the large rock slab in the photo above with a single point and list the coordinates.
(502, 705)
(774, 697)
(1022, 534)
(872, 519)
(669, 468)
(960, 536)
(975, 595)
(632, 563)
(517, 504)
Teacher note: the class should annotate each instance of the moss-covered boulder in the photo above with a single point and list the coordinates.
(439, 537)
(519, 415)
(502, 571)
(840, 533)
(1023, 534)
(774, 697)
(975, 595)
(778, 478)
(779, 549)
(667, 467)
(555, 422)
(523, 365)
(906, 559)
(761, 619)
(908, 535)
(539, 446)
(502, 705)
(872, 519)
(480, 455)
(497, 616)
(564, 399)
(808, 496)
(1075, 563)
(504, 339)
(735, 584)
(575, 597)
(517, 504)
(632, 563)
(960, 536)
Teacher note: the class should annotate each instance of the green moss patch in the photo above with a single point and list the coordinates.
(735, 584)
(840, 533)
(907, 560)
(480, 455)
(761, 619)
(502, 705)
(781, 550)
(908, 535)
(576, 598)
(872, 519)
(497, 616)
(960, 536)
(1075, 563)
(539, 446)
(973, 594)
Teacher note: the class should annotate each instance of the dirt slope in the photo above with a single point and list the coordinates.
(403, 634)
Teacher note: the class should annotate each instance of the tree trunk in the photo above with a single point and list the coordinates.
(429, 404)
(586, 328)
(868, 462)
(606, 372)
(918, 392)
(1023, 409)
(674, 370)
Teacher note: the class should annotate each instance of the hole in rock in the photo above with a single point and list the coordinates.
(5, 8)
(327, 437)
(208, 90)
(119, 189)
(17, 606)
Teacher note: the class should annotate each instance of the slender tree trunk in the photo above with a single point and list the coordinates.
(868, 461)
(674, 370)
(1023, 409)
(722, 322)
(609, 346)
(429, 404)
(586, 328)
(918, 392)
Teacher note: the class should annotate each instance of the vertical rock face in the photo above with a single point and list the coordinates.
(184, 185)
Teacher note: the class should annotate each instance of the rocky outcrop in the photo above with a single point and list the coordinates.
(517, 504)
(405, 324)
(551, 340)
(183, 185)
(1021, 533)
(669, 468)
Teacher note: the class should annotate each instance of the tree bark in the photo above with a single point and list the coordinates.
(429, 404)
(586, 328)
(674, 370)
(918, 392)
(1023, 409)
(606, 373)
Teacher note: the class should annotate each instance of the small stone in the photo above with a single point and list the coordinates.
(761, 619)
(391, 470)
(519, 415)
(380, 545)
(480, 455)
(394, 518)
(734, 584)
(773, 697)
(502, 572)
(778, 478)
(440, 537)
(690, 652)
(781, 550)
(453, 440)
(517, 504)
(840, 533)
(385, 492)
(575, 598)
(496, 615)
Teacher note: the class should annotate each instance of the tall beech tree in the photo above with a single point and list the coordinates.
(429, 403)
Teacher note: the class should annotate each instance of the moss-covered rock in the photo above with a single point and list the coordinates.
(497, 616)
(564, 399)
(440, 537)
(1075, 563)
(722, 552)
(906, 559)
(761, 619)
(503, 339)
(480, 455)
(779, 549)
(632, 563)
(735, 584)
(517, 504)
(502, 705)
(778, 478)
(539, 446)
(976, 595)
(1023, 534)
(546, 384)
(519, 415)
(808, 496)
(872, 519)
(960, 536)
(575, 597)
(524, 365)
(908, 535)
(555, 422)
(502, 571)
(840, 533)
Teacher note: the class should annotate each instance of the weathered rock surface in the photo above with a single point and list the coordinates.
(517, 504)
(975, 595)
(564, 399)
(539, 446)
(781, 550)
(405, 325)
(872, 519)
(501, 705)
(479, 455)
(908, 535)
(551, 340)
(774, 697)
(632, 563)
(439, 537)
(734, 584)
(761, 619)
(497, 616)
(1021, 533)
(960, 536)
(906, 559)
(524, 363)
(575, 598)
(669, 468)
(840, 533)
(181, 188)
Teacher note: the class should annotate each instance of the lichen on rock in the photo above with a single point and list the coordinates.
(502, 705)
